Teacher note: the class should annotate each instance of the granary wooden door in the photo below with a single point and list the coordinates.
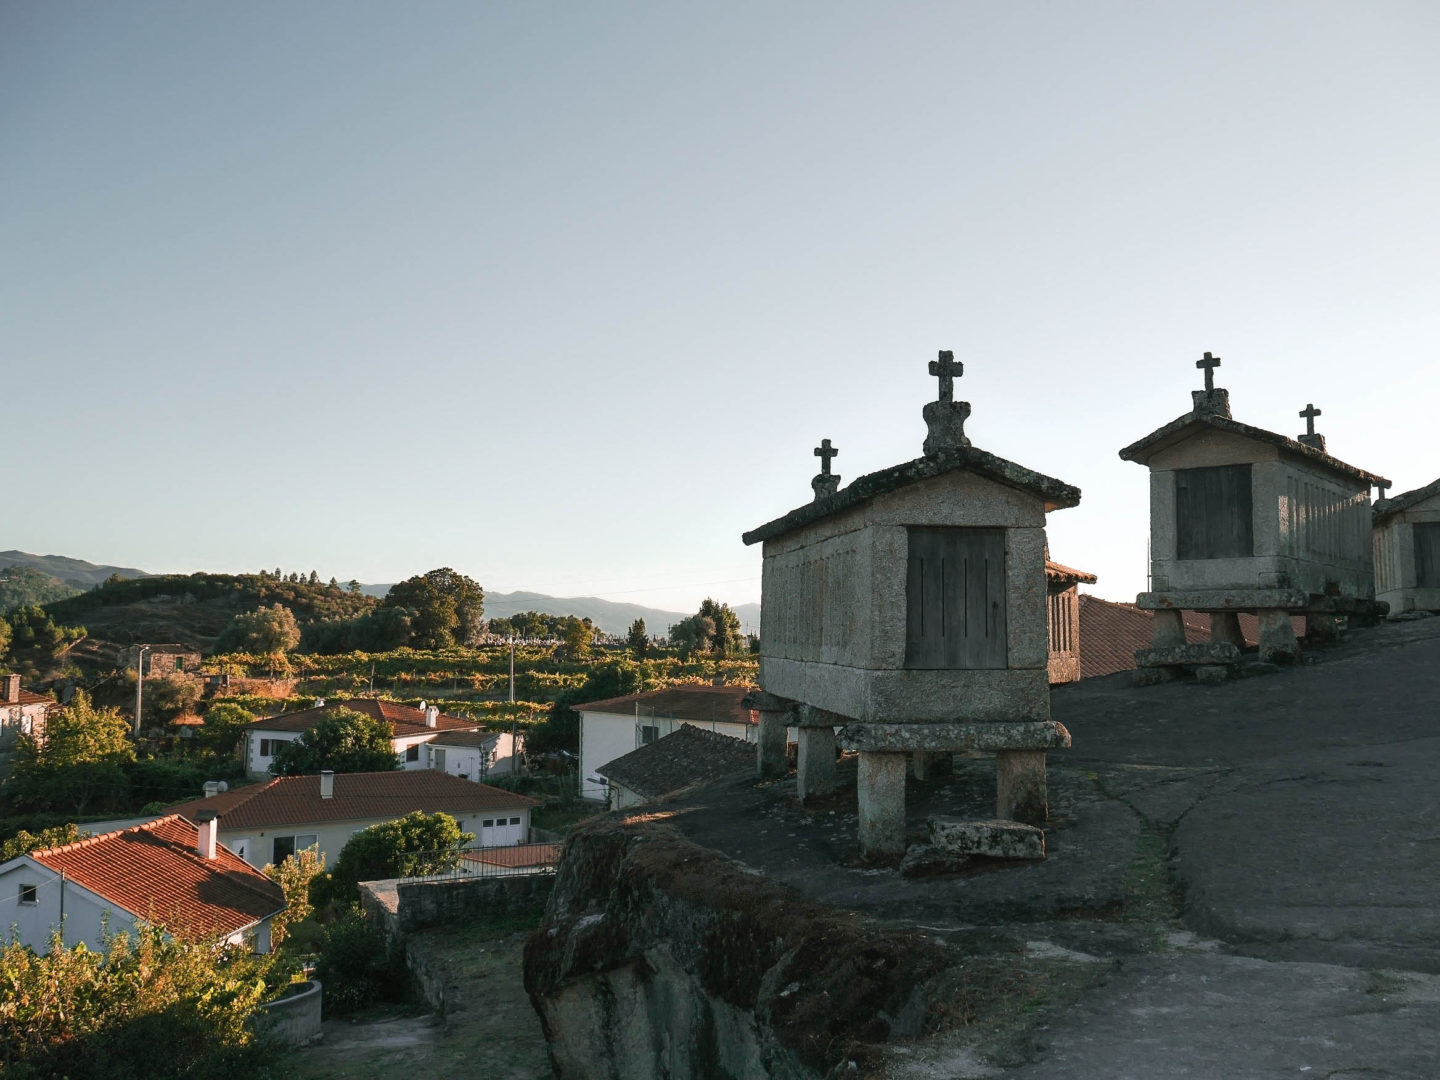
(1427, 554)
(1213, 513)
(955, 599)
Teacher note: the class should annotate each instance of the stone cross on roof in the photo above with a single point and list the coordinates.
(1209, 363)
(948, 369)
(1310, 439)
(825, 483)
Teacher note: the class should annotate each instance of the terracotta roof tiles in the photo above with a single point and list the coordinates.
(295, 800)
(698, 703)
(407, 721)
(153, 871)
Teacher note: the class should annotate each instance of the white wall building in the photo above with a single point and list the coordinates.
(612, 728)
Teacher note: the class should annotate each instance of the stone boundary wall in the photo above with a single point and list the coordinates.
(436, 903)
(294, 1020)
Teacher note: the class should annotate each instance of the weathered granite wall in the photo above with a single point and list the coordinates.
(438, 903)
(294, 1019)
(658, 958)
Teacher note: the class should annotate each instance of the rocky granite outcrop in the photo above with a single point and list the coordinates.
(658, 958)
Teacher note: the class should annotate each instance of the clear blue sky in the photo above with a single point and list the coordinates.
(563, 295)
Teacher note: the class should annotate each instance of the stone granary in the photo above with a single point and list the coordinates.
(1243, 519)
(1062, 587)
(909, 609)
(1407, 550)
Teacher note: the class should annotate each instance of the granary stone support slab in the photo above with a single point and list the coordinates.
(1202, 652)
(1225, 628)
(1023, 735)
(770, 746)
(1020, 790)
(880, 791)
(1296, 601)
(1168, 630)
(993, 839)
(815, 762)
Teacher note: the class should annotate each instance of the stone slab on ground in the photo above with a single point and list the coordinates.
(1206, 653)
(1199, 1016)
(994, 839)
(1020, 735)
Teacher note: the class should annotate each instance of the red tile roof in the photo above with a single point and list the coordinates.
(698, 703)
(154, 871)
(1060, 572)
(27, 698)
(1110, 633)
(295, 800)
(406, 721)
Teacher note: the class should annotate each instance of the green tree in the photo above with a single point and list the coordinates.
(576, 637)
(446, 607)
(266, 630)
(693, 635)
(294, 876)
(727, 638)
(343, 740)
(412, 846)
(225, 725)
(24, 842)
(5, 634)
(637, 640)
(80, 765)
(170, 696)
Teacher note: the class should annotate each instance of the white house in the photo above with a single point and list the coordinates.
(473, 755)
(612, 728)
(268, 822)
(21, 712)
(412, 729)
(168, 872)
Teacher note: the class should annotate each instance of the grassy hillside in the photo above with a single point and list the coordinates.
(74, 572)
(193, 609)
(21, 586)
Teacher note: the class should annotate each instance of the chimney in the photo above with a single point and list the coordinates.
(327, 783)
(432, 715)
(207, 823)
(10, 688)
(212, 788)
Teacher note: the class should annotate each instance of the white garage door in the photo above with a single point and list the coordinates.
(499, 832)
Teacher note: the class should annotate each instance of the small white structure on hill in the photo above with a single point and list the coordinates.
(21, 712)
(1407, 550)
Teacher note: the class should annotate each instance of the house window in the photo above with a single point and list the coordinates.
(285, 846)
(648, 734)
(488, 823)
(514, 821)
(412, 753)
(1213, 513)
(955, 599)
(29, 894)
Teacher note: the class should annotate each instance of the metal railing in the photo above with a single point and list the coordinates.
(515, 860)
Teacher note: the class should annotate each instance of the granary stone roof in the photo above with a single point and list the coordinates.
(1181, 427)
(686, 756)
(1388, 508)
(1056, 494)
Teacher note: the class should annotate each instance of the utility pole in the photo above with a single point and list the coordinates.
(140, 651)
(512, 671)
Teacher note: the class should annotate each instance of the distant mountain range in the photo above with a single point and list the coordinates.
(611, 616)
(76, 572)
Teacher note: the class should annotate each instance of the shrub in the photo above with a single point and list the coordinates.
(358, 966)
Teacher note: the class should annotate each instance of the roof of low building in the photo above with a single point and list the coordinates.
(1058, 572)
(407, 721)
(698, 703)
(688, 755)
(515, 856)
(1056, 493)
(465, 738)
(1388, 508)
(153, 871)
(288, 800)
(1141, 450)
(27, 698)
(1110, 632)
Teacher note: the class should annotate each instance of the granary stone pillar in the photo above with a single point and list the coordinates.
(1020, 791)
(1320, 627)
(1225, 627)
(1277, 636)
(930, 764)
(880, 791)
(815, 762)
(1168, 629)
(775, 715)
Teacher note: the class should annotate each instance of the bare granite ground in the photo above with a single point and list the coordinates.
(1243, 879)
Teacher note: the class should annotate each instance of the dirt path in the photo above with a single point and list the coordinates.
(491, 1030)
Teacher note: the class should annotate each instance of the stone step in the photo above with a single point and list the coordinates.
(996, 839)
